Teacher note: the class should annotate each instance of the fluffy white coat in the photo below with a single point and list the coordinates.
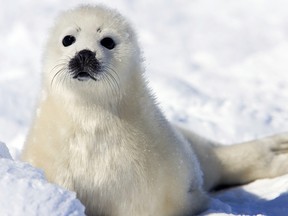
(108, 141)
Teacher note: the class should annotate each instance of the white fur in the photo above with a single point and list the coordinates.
(109, 142)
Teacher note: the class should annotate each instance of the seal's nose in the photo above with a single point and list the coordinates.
(85, 55)
(84, 65)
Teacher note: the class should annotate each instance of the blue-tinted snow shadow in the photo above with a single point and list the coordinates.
(240, 202)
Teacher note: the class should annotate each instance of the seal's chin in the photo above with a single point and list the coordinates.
(84, 76)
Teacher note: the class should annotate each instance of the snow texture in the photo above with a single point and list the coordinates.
(24, 191)
(216, 66)
(4, 151)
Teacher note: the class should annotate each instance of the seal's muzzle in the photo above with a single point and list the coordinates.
(84, 65)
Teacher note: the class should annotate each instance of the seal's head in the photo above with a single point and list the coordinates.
(91, 50)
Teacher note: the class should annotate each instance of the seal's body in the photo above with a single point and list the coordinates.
(98, 131)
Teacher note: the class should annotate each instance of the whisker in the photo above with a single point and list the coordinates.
(113, 80)
(61, 67)
(57, 74)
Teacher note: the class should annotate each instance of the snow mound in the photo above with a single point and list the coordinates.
(24, 191)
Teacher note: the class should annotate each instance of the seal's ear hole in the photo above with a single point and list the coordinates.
(68, 40)
(108, 43)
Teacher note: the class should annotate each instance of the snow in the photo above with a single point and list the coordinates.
(24, 191)
(4, 151)
(216, 66)
(261, 197)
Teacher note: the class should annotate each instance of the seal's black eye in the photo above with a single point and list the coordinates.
(68, 40)
(108, 43)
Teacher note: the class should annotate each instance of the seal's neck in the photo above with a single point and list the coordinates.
(131, 106)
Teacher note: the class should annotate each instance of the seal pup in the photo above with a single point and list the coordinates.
(99, 132)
